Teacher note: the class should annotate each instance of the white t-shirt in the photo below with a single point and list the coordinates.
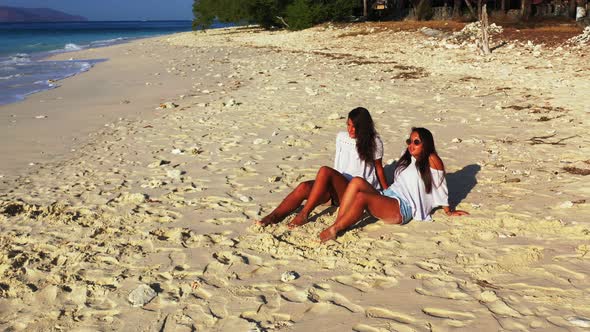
(410, 186)
(348, 162)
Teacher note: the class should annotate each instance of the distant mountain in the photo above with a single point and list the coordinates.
(16, 14)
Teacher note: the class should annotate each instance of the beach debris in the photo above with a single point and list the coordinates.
(231, 103)
(158, 163)
(431, 32)
(456, 140)
(167, 105)
(512, 180)
(579, 321)
(141, 295)
(566, 205)
(311, 125)
(311, 91)
(472, 32)
(335, 116)
(245, 199)
(128, 198)
(577, 171)
(289, 276)
(260, 141)
(581, 39)
(194, 150)
(41, 117)
(177, 151)
(274, 179)
(174, 173)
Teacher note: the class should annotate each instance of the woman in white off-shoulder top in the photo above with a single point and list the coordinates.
(419, 186)
(359, 153)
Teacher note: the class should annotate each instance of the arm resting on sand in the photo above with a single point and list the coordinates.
(451, 212)
(380, 173)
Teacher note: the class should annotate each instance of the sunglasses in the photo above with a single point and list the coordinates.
(416, 141)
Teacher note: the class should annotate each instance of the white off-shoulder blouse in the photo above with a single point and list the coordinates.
(348, 162)
(410, 186)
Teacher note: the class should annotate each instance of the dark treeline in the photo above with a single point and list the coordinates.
(302, 14)
(292, 14)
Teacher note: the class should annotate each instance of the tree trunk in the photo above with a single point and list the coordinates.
(470, 7)
(572, 8)
(479, 9)
(503, 6)
(485, 36)
(457, 9)
(365, 13)
(401, 5)
(525, 10)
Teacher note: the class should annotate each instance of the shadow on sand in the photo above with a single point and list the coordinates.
(461, 183)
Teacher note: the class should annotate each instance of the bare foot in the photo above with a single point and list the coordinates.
(299, 220)
(328, 234)
(268, 220)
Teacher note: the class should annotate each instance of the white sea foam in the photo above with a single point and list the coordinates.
(19, 81)
(72, 47)
(10, 76)
(107, 41)
(15, 59)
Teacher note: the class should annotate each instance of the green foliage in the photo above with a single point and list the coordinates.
(299, 14)
(424, 10)
(340, 10)
(263, 12)
(204, 14)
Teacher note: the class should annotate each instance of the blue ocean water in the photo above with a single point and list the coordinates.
(24, 46)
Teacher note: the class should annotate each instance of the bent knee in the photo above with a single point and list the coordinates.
(357, 182)
(357, 179)
(304, 188)
(326, 170)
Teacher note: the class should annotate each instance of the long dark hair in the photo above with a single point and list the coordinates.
(365, 133)
(422, 162)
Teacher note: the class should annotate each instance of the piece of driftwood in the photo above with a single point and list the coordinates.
(283, 21)
(542, 140)
(485, 33)
(577, 171)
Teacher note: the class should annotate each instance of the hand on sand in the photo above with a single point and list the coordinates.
(328, 234)
(299, 220)
(457, 213)
(268, 220)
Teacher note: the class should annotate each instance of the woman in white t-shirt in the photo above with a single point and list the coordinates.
(359, 153)
(418, 187)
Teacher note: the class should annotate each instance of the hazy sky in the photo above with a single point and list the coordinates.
(114, 10)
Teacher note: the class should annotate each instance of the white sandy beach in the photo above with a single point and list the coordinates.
(122, 195)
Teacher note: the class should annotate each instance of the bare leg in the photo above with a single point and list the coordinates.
(355, 186)
(288, 205)
(328, 181)
(357, 198)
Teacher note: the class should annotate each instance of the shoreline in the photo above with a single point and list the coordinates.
(166, 199)
(23, 56)
(23, 126)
